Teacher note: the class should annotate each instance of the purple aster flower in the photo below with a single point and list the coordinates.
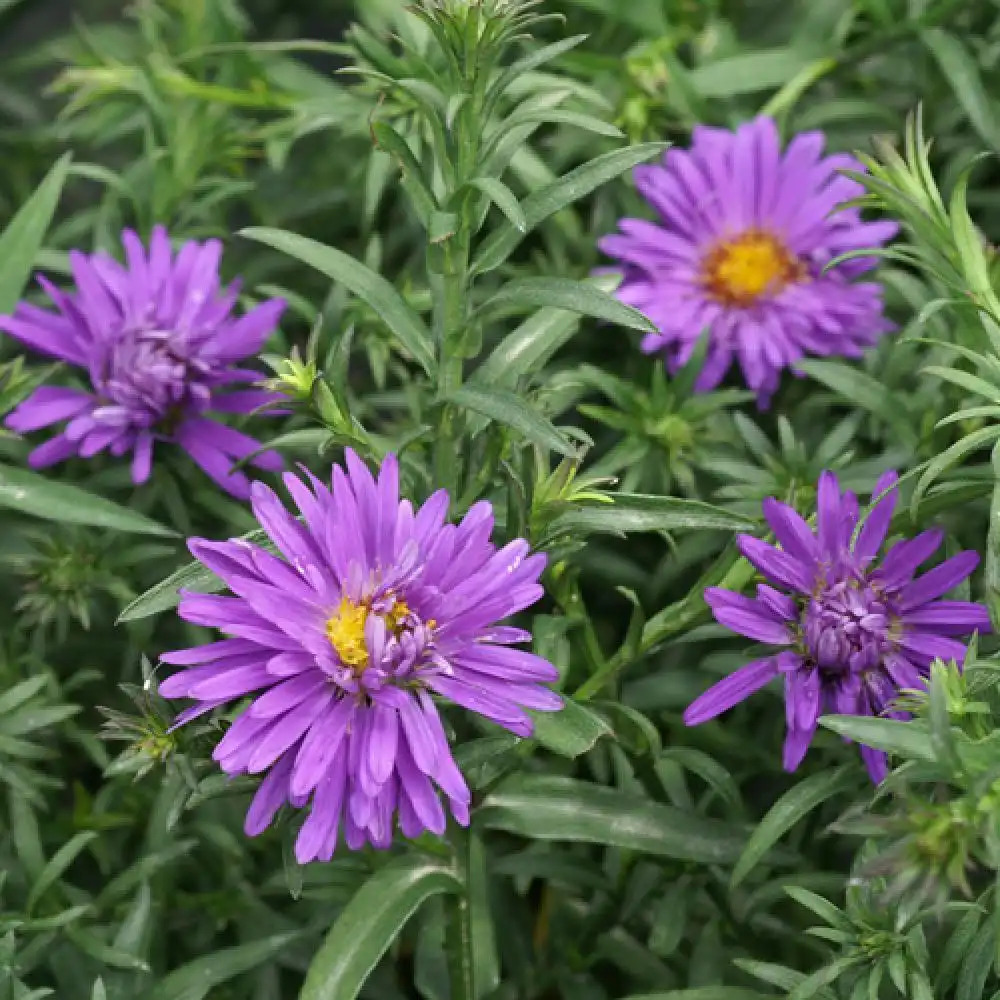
(855, 631)
(374, 609)
(745, 232)
(159, 343)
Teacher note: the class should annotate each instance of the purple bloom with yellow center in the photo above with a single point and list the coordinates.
(856, 631)
(160, 344)
(342, 641)
(744, 235)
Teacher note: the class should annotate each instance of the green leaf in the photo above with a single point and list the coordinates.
(905, 739)
(30, 493)
(809, 987)
(57, 866)
(369, 924)
(966, 380)
(556, 116)
(668, 919)
(537, 57)
(25, 233)
(372, 288)
(708, 769)
(13, 698)
(504, 199)
(555, 808)
(106, 954)
(795, 804)
(412, 175)
(958, 65)
(570, 732)
(975, 969)
(564, 293)
(749, 72)
(195, 980)
(510, 409)
(854, 385)
(703, 993)
(531, 344)
(573, 186)
(193, 576)
(821, 907)
(641, 512)
(952, 456)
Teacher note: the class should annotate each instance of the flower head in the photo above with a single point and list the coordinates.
(342, 640)
(855, 632)
(744, 234)
(158, 340)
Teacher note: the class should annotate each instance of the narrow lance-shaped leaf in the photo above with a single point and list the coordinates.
(25, 233)
(577, 184)
(372, 288)
(555, 808)
(193, 576)
(704, 993)
(413, 178)
(197, 980)
(793, 806)
(510, 409)
(534, 59)
(564, 293)
(958, 65)
(30, 493)
(369, 924)
(631, 512)
(906, 739)
(529, 346)
(749, 72)
(503, 198)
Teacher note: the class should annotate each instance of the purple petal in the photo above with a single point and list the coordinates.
(938, 581)
(950, 617)
(797, 742)
(877, 764)
(48, 405)
(747, 617)
(268, 799)
(828, 512)
(902, 560)
(876, 525)
(730, 691)
(791, 531)
(777, 565)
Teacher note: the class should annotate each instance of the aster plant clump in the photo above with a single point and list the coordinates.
(473, 599)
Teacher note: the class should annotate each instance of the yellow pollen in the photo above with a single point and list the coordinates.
(394, 619)
(345, 629)
(738, 271)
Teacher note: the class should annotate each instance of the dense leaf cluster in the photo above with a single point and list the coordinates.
(425, 187)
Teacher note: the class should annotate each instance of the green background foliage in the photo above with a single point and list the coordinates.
(436, 248)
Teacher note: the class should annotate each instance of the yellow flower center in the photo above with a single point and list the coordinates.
(738, 271)
(345, 629)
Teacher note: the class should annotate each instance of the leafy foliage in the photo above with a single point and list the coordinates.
(425, 185)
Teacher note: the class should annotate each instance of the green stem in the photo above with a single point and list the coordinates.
(458, 926)
(450, 316)
(672, 620)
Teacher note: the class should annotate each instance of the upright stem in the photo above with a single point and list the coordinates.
(458, 926)
(450, 315)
